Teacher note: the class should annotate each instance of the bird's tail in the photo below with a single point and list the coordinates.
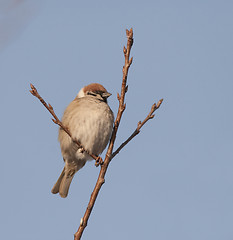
(63, 183)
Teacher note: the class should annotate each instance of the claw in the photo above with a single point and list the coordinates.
(98, 161)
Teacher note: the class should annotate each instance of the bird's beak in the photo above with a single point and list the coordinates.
(106, 94)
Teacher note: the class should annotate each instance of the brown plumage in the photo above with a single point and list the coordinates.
(90, 121)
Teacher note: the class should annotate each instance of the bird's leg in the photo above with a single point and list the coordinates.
(98, 161)
(81, 150)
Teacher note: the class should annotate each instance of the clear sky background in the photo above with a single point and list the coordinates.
(175, 179)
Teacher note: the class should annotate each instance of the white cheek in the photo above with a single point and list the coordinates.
(80, 94)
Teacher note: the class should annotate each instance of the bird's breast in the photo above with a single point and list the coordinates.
(90, 122)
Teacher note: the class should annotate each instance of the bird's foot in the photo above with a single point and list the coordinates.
(98, 161)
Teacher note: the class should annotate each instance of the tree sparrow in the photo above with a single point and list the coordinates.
(90, 121)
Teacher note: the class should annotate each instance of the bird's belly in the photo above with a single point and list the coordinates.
(93, 134)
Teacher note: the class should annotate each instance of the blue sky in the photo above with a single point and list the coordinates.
(174, 180)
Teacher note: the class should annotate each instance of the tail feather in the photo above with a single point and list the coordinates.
(56, 186)
(63, 183)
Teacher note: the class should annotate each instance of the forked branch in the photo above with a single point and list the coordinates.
(110, 154)
(121, 108)
(140, 125)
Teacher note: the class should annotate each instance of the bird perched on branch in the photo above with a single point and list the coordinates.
(90, 121)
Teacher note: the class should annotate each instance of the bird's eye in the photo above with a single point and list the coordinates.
(91, 93)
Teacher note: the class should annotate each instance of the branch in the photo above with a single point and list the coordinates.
(109, 155)
(55, 119)
(121, 108)
(140, 125)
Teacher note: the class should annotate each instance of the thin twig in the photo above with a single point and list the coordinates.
(109, 154)
(121, 108)
(56, 120)
(140, 125)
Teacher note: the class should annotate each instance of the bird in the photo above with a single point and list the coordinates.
(90, 121)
